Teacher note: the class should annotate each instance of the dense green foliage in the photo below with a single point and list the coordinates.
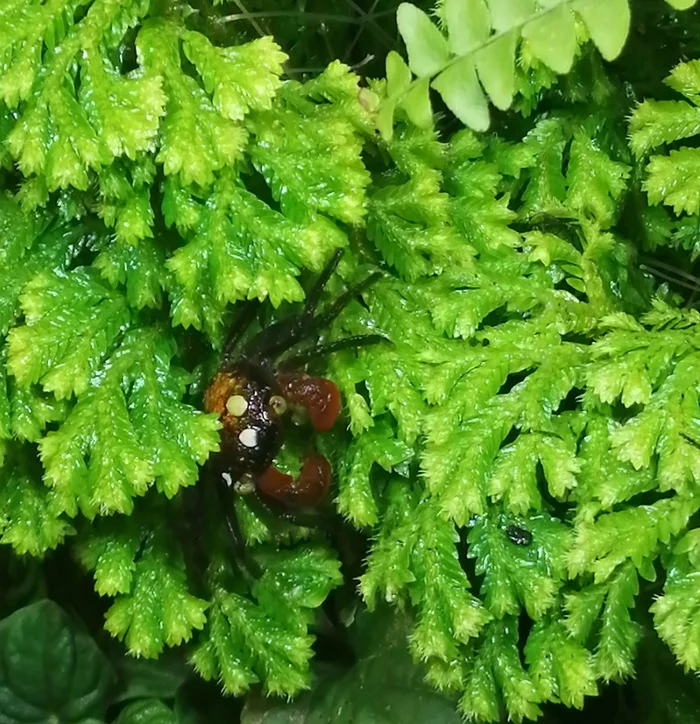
(521, 461)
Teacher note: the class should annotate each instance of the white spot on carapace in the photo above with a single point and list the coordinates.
(249, 437)
(236, 405)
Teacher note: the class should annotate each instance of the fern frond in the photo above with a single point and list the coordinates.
(672, 178)
(472, 56)
(619, 634)
(142, 567)
(96, 461)
(515, 575)
(653, 366)
(267, 639)
(561, 667)
(675, 612)
(30, 520)
(496, 674)
(63, 135)
(669, 178)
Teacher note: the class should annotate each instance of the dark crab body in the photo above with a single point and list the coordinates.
(252, 407)
(254, 393)
(251, 433)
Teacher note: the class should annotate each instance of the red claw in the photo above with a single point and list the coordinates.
(307, 491)
(319, 396)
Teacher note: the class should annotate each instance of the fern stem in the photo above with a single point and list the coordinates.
(250, 18)
(658, 272)
(319, 68)
(359, 32)
(299, 15)
(366, 17)
(671, 268)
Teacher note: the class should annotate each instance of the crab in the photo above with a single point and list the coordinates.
(255, 392)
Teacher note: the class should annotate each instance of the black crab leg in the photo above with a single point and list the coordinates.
(194, 517)
(314, 296)
(238, 329)
(280, 337)
(337, 307)
(321, 350)
(227, 501)
(284, 334)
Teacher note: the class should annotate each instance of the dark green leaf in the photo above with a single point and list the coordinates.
(150, 678)
(667, 695)
(49, 670)
(147, 711)
(383, 687)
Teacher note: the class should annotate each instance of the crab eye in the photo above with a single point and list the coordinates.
(236, 405)
(278, 404)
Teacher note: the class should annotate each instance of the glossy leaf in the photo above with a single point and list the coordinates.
(51, 669)
(146, 711)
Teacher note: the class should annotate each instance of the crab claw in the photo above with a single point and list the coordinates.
(318, 396)
(307, 491)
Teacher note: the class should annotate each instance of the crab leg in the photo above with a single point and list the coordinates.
(321, 350)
